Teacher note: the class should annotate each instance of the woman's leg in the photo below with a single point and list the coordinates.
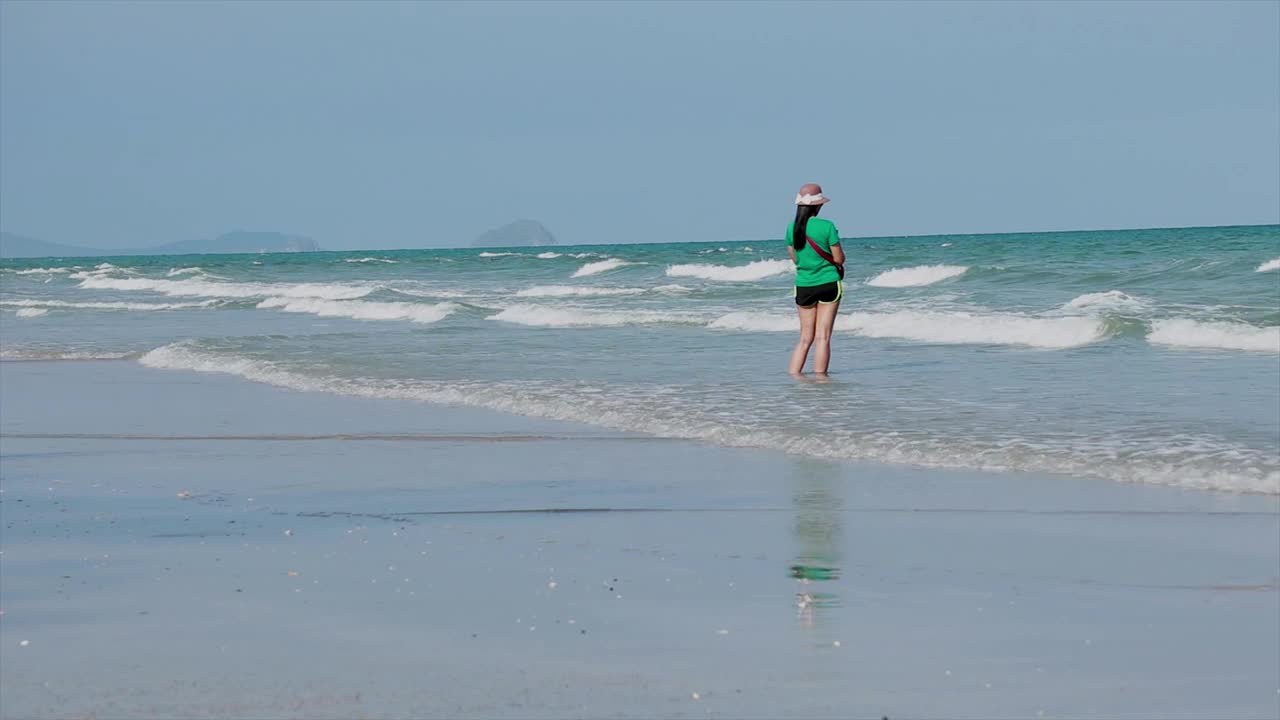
(807, 317)
(826, 319)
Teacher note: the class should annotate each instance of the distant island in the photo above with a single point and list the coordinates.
(521, 233)
(239, 241)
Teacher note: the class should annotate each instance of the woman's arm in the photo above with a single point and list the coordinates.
(837, 252)
(791, 250)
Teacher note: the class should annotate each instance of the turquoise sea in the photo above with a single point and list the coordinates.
(1127, 356)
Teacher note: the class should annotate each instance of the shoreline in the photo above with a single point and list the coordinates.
(171, 550)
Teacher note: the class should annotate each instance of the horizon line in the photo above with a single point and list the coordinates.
(107, 251)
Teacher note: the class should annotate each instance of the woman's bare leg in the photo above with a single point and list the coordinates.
(826, 320)
(808, 316)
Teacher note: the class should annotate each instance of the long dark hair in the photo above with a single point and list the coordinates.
(803, 213)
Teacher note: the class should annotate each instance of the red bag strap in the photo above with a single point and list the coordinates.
(822, 253)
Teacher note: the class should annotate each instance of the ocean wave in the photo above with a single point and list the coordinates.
(106, 305)
(44, 271)
(757, 270)
(30, 355)
(1206, 464)
(916, 276)
(756, 322)
(951, 328)
(595, 268)
(548, 255)
(1182, 332)
(1269, 265)
(498, 254)
(207, 288)
(589, 291)
(32, 312)
(174, 272)
(361, 309)
(537, 316)
(429, 292)
(369, 260)
(1109, 301)
(100, 270)
(575, 291)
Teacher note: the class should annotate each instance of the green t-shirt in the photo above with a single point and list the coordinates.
(811, 269)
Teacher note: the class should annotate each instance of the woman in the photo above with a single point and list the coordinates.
(814, 247)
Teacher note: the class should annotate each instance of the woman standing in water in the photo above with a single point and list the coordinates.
(814, 247)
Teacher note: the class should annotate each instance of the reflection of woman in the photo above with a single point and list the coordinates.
(814, 246)
(819, 505)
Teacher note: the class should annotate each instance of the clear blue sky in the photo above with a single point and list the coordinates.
(392, 125)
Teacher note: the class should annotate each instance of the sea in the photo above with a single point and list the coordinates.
(1134, 356)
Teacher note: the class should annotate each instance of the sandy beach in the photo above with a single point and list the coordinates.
(180, 544)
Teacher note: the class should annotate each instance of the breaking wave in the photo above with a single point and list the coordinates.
(1109, 301)
(952, 328)
(595, 268)
(44, 271)
(1204, 465)
(757, 270)
(369, 260)
(207, 288)
(362, 309)
(1182, 332)
(587, 291)
(32, 355)
(916, 276)
(572, 291)
(537, 316)
(106, 305)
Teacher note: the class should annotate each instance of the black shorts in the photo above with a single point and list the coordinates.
(825, 294)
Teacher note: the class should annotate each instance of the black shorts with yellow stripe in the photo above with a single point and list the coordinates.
(826, 294)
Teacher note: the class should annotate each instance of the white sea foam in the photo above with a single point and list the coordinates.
(174, 272)
(88, 305)
(1269, 265)
(757, 270)
(547, 255)
(953, 328)
(1182, 332)
(101, 270)
(32, 312)
(589, 291)
(916, 276)
(580, 256)
(361, 309)
(430, 292)
(575, 291)
(498, 254)
(663, 415)
(538, 316)
(1109, 301)
(43, 271)
(207, 288)
(30, 354)
(369, 260)
(595, 268)
(755, 322)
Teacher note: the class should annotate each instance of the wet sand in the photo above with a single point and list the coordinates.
(192, 545)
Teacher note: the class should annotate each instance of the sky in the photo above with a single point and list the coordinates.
(378, 125)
